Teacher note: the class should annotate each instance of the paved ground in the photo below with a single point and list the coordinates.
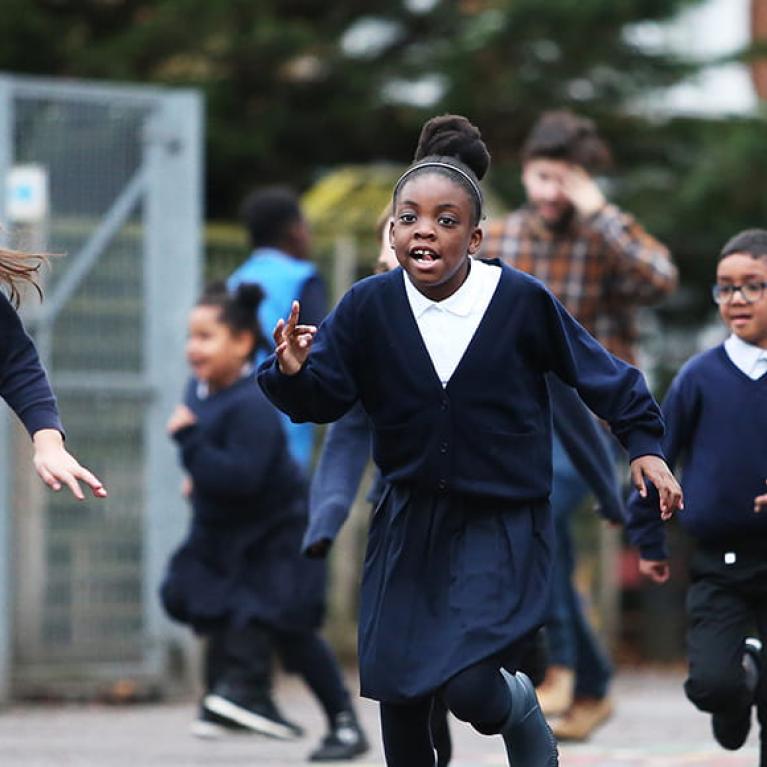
(653, 726)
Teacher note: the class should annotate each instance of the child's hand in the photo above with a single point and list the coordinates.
(760, 501)
(56, 466)
(181, 417)
(657, 570)
(582, 191)
(653, 468)
(292, 342)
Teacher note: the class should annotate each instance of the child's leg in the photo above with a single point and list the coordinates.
(494, 701)
(761, 690)
(406, 736)
(479, 695)
(310, 656)
(241, 675)
(719, 619)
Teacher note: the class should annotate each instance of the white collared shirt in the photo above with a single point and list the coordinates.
(750, 359)
(448, 326)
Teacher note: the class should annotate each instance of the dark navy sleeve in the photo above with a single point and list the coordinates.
(23, 382)
(345, 454)
(586, 444)
(613, 389)
(241, 468)
(314, 301)
(325, 388)
(644, 527)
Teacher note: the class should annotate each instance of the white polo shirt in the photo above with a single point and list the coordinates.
(750, 359)
(448, 326)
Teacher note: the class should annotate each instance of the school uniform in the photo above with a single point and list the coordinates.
(458, 558)
(240, 562)
(717, 425)
(346, 452)
(23, 382)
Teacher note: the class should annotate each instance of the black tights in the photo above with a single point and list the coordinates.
(478, 695)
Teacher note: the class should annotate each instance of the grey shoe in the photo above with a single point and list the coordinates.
(526, 733)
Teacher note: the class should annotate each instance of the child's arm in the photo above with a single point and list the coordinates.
(241, 467)
(318, 387)
(587, 447)
(345, 454)
(645, 530)
(616, 392)
(24, 386)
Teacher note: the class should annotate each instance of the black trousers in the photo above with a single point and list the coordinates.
(238, 662)
(726, 602)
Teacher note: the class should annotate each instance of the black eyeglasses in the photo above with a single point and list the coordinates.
(751, 292)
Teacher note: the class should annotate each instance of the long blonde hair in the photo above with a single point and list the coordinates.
(17, 268)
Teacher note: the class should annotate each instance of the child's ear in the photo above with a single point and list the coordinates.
(475, 241)
(391, 233)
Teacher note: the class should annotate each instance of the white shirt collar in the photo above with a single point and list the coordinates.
(744, 354)
(460, 303)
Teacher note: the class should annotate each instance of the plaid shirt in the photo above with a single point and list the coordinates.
(601, 269)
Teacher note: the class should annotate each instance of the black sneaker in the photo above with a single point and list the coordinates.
(260, 715)
(345, 741)
(210, 726)
(731, 729)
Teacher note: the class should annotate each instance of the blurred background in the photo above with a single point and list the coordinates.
(130, 131)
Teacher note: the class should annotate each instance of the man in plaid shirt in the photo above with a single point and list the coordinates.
(602, 265)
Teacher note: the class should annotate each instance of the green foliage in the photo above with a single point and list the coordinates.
(285, 97)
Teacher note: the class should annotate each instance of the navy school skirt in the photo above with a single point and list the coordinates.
(448, 583)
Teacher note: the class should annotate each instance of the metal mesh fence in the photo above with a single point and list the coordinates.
(82, 574)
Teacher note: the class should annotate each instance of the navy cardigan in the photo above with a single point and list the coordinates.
(488, 432)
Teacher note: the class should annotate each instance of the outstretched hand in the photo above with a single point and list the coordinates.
(654, 469)
(57, 467)
(292, 342)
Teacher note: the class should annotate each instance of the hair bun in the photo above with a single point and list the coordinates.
(249, 294)
(454, 136)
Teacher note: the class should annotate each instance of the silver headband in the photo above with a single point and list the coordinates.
(438, 164)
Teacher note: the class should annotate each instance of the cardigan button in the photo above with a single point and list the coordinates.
(444, 403)
(443, 447)
(442, 485)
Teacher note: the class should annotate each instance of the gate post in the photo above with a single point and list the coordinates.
(174, 200)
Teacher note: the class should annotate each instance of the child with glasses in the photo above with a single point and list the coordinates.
(716, 423)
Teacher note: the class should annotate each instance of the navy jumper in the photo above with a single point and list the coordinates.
(241, 559)
(459, 549)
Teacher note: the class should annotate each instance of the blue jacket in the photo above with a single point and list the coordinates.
(488, 432)
(285, 279)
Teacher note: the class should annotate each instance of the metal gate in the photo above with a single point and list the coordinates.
(78, 590)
